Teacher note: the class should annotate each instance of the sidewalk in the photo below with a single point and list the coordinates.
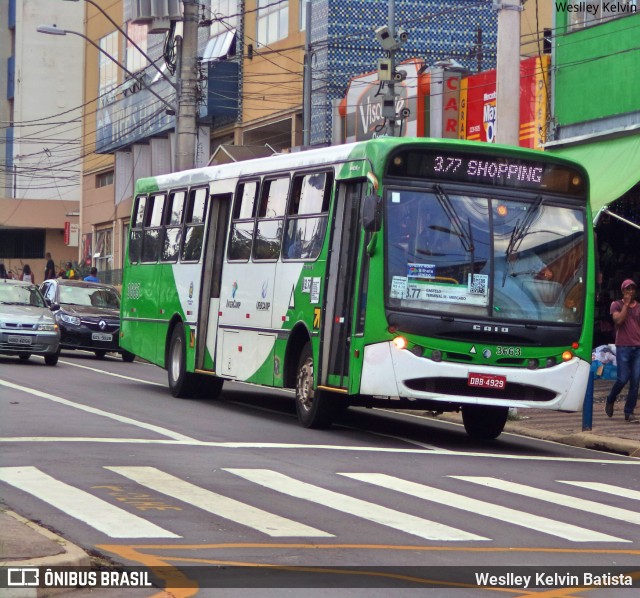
(25, 544)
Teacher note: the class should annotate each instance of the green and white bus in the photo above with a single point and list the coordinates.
(411, 273)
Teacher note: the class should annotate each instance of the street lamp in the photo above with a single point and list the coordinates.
(53, 30)
(133, 43)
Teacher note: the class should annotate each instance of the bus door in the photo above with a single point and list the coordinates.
(335, 346)
(211, 278)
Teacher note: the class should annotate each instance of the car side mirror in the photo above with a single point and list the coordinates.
(53, 306)
(371, 213)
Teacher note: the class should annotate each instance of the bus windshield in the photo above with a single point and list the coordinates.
(489, 257)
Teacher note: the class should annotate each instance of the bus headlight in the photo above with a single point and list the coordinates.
(400, 342)
(567, 356)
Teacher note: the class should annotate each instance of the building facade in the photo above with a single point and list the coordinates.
(42, 143)
(596, 120)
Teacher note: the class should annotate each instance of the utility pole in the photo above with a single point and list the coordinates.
(391, 86)
(508, 72)
(306, 107)
(387, 73)
(186, 131)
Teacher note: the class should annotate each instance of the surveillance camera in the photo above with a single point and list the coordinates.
(405, 113)
(399, 76)
(383, 35)
(403, 35)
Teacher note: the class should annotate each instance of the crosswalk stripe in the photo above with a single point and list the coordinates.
(556, 498)
(485, 509)
(404, 522)
(608, 488)
(223, 506)
(99, 514)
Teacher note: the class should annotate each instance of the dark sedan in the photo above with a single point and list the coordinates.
(88, 315)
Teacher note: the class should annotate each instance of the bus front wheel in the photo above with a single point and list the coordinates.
(483, 422)
(181, 383)
(314, 407)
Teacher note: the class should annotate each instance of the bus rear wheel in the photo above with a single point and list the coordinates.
(483, 422)
(181, 383)
(314, 407)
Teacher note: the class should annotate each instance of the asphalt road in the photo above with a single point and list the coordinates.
(99, 451)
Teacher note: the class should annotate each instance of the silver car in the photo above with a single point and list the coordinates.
(27, 325)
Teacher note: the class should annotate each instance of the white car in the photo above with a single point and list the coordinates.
(27, 326)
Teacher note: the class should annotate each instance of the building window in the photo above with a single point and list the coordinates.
(594, 12)
(225, 16)
(103, 255)
(273, 21)
(303, 4)
(104, 179)
(107, 68)
(20, 244)
(135, 60)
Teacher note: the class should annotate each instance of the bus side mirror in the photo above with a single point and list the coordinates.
(371, 213)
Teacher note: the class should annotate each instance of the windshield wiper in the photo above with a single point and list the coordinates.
(465, 236)
(520, 231)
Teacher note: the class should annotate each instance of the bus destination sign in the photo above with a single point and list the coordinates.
(486, 169)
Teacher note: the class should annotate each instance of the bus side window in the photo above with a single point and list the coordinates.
(194, 225)
(243, 221)
(152, 238)
(173, 218)
(135, 236)
(307, 216)
(268, 233)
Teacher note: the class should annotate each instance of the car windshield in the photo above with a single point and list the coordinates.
(11, 294)
(509, 259)
(90, 296)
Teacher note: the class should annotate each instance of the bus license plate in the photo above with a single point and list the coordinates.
(16, 339)
(101, 336)
(487, 381)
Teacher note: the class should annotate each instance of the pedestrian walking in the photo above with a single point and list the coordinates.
(3, 272)
(50, 268)
(626, 317)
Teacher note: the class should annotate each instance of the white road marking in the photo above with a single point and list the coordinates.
(93, 410)
(416, 526)
(484, 509)
(608, 488)
(556, 498)
(223, 506)
(314, 447)
(99, 514)
(99, 371)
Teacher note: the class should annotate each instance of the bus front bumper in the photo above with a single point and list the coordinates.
(392, 372)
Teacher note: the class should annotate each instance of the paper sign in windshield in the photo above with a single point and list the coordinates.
(421, 270)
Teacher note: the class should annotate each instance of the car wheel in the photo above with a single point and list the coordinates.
(128, 357)
(100, 354)
(315, 408)
(482, 422)
(24, 356)
(181, 383)
(51, 358)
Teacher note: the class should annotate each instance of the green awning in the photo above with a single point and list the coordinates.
(613, 166)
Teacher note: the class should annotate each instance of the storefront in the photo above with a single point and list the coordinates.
(614, 173)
